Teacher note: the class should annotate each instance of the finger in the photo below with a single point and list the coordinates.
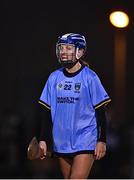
(42, 157)
(98, 155)
(101, 155)
(95, 154)
(42, 152)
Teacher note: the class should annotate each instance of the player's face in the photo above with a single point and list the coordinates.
(67, 52)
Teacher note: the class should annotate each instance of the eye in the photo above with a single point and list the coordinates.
(69, 47)
(60, 48)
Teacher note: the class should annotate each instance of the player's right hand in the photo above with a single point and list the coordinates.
(43, 149)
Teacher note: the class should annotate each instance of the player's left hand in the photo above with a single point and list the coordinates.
(100, 150)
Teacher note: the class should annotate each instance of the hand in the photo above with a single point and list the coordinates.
(43, 149)
(100, 150)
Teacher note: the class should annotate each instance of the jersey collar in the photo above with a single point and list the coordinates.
(66, 73)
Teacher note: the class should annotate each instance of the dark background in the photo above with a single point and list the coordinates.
(29, 31)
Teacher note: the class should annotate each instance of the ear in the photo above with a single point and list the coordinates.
(80, 53)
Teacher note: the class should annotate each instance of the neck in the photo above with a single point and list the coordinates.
(75, 68)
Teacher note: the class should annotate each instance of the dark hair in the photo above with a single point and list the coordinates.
(84, 62)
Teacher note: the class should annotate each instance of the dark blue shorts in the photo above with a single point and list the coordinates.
(71, 155)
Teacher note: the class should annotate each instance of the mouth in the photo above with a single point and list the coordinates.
(64, 57)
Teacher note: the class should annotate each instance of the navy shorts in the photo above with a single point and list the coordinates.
(71, 155)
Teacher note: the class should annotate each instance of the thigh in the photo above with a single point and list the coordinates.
(81, 166)
(65, 164)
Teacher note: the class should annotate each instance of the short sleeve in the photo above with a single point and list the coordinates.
(99, 96)
(45, 98)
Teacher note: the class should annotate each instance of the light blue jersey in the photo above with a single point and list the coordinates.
(73, 99)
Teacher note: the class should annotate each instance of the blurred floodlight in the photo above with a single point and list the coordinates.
(119, 19)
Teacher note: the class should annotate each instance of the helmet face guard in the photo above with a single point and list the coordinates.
(73, 42)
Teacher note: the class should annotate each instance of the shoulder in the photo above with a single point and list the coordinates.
(90, 73)
(54, 74)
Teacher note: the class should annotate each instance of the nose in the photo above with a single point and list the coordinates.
(63, 50)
